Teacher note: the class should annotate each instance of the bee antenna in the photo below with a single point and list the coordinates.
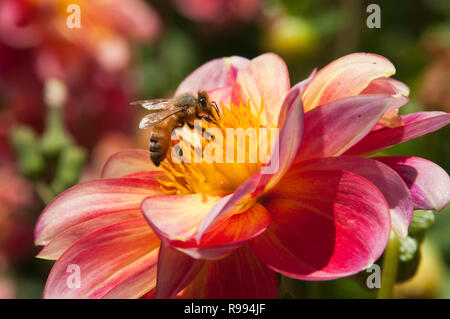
(214, 104)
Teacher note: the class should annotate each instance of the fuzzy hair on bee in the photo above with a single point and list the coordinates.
(169, 114)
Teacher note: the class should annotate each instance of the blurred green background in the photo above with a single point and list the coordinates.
(414, 36)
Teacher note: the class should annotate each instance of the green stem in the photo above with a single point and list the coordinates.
(44, 192)
(390, 267)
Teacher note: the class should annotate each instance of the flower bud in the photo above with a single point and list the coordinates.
(55, 137)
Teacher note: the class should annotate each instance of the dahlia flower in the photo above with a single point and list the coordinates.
(106, 26)
(224, 230)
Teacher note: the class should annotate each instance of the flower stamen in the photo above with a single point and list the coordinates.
(215, 172)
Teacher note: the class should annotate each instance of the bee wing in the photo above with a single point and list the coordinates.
(155, 104)
(154, 118)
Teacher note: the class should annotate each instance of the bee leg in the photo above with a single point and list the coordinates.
(179, 150)
(214, 104)
(193, 126)
(208, 119)
(208, 134)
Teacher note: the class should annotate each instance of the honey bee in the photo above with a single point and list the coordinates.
(169, 114)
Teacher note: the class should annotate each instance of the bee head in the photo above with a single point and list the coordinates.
(205, 103)
(203, 100)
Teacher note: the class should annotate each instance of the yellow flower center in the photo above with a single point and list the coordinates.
(224, 157)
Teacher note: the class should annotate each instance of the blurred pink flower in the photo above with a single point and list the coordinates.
(7, 288)
(106, 29)
(16, 197)
(107, 146)
(219, 11)
(93, 61)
